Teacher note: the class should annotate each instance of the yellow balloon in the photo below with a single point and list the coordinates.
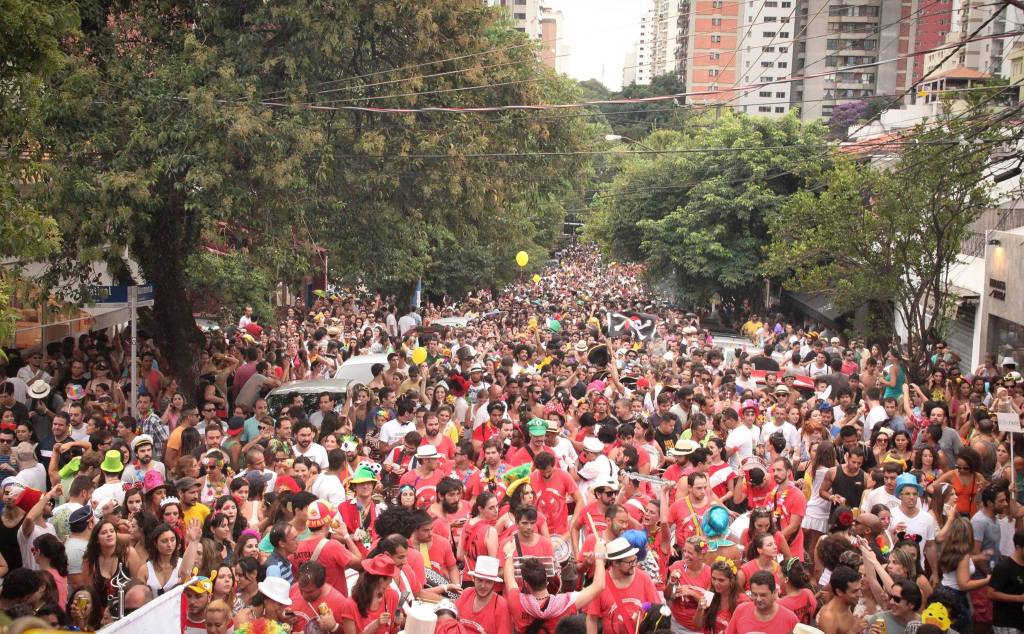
(522, 258)
(532, 323)
(536, 278)
(419, 355)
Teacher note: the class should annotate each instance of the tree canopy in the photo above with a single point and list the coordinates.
(179, 130)
(696, 214)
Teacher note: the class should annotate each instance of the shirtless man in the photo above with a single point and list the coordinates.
(837, 616)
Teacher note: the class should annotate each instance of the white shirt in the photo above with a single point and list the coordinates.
(329, 488)
(922, 524)
(879, 496)
(874, 416)
(20, 389)
(315, 452)
(79, 433)
(395, 429)
(109, 491)
(243, 321)
(742, 439)
(406, 323)
(25, 544)
(26, 374)
(565, 453)
(34, 477)
(599, 468)
(789, 432)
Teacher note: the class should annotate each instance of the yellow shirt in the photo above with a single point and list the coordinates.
(197, 512)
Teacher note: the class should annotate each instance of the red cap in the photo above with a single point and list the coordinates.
(286, 483)
(643, 382)
(28, 499)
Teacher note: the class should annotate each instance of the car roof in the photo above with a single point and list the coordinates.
(312, 385)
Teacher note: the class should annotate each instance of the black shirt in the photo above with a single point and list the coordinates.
(1008, 578)
(762, 362)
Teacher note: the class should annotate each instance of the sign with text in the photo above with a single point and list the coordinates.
(1009, 422)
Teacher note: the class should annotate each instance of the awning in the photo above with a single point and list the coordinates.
(818, 303)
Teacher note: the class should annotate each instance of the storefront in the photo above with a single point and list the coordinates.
(1002, 303)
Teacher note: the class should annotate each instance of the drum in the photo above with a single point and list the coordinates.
(552, 570)
(435, 580)
(562, 549)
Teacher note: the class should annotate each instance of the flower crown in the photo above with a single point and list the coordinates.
(729, 563)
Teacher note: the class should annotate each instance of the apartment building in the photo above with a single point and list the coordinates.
(707, 49)
(767, 39)
(839, 48)
(541, 23)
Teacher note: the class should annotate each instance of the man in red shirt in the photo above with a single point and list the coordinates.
(436, 551)
(312, 591)
(488, 477)
(614, 522)
(620, 606)
(484, 431)
(680, 467)
(432, 435)
(687, 512)
(593, 513)
(763, 613)
(789, 506)
(538, 429)
(425, 476)
(526, 541)
(553, 488)
(450, 510)
(326, 551)
(479, 606)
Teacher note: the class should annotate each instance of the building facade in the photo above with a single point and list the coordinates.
(767, 38)
(540, 23)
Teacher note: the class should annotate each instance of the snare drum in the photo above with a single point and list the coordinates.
(561, 548)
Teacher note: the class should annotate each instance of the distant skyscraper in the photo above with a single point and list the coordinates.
(707, 43)
(768, 34)
(540, 23)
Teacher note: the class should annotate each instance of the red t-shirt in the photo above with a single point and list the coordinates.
(744, 619)
(306, 612)
(596, 514)
(752, 566)
(685, 521)
(494, 618)
(475, 545)
(620, 609)
(723, 617)
(390, 605)
(439, 556)
(333, 557)
(523, 456)
(684, 609)
(477, 485)
(720, 477)
(426, 486)
(445, 447)
(484, 432)
(553, 498)
(542, 548)
(523, 620)
(791, 503)
(803, 604)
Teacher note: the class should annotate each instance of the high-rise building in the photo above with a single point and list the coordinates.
(984, 55)
(767, 41)
(838, 49)
(707, 43)
(540, 23)
(932, 23)
(629, 65)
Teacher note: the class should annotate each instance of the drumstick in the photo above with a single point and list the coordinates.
(590, 518)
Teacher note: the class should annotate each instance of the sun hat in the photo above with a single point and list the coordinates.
(908, 480)
(802, 628)
(381, 565)
(71, 468)
(1005, 361)
(684, 447)
(606, 483)
(112, 462)
(593, 445)
(537, 427)
(476, 367)
(362, 474)
(185, 483)
(152, 481)
(620, 548)
(74, 392)
(486, 568)
(276, 589)
(580, 346)
(427, 452)
(318, 515)
(39, 390)
(141, 439)
(781, 389)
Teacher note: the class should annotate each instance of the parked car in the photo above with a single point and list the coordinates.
(453, 322)
(358, 368)
(281, 396)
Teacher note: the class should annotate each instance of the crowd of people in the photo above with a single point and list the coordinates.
(535, 470)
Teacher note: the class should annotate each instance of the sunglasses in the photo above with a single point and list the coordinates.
(895, 598)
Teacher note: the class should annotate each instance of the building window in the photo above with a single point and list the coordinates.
(715, 39)
(832, 45)
(521, 2)
(783, 49)
(519, 16)
(768, 49)
(765, 93)
(784, 34)
(780, 95)
(716, 21)
(766, 65)
(787, 5)
(783, 64)
(780, 109)
(713, 72)
(716, 4)
(770, 18)
(714, 55)
(768, 34)
(785, 20)
(764, 109)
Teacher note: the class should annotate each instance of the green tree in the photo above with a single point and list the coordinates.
(887, 236)
(179, 126)
(695, 214)
(30, 50)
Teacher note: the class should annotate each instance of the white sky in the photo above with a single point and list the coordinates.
(600, 33)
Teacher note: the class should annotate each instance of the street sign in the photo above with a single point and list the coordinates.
(1008, 422)
(121, 294)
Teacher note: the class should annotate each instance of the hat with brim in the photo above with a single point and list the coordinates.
(684, 447)
(802, 628)
(74, 392)
(112, 462)
(593, 445)
(362, 474)
(78, 520)
(235, 425)
(781, 389)
(152, 481)
(427, 452)
(381, 565)
(905, 480)
(515, 484)
(140, 440)
(552, 427)
(71, 468)
(486, 568)
(186, 483)
(318, 515)
(38, 390)
(203, 585)
(620, 548)
(537, 427)
(276, 589)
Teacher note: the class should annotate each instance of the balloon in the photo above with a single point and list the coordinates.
(419, 355)
(522, 258)
(554, 325)
(532, 323)
(536, 278)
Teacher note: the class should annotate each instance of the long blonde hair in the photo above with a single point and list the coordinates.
(959, 543)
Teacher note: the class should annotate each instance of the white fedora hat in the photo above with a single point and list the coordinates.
(426, 451)
(276, 589)
(486, 568)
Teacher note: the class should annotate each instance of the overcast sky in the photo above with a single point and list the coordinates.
(600, 33)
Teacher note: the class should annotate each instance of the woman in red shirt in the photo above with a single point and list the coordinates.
(373, 601)
(765, 552)
(796, 590)
(713, 616)
(688, 580)
(480, 537)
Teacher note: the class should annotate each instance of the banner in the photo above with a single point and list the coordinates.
(162, 615)
(628, 322)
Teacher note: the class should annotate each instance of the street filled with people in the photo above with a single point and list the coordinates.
(571, 455)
